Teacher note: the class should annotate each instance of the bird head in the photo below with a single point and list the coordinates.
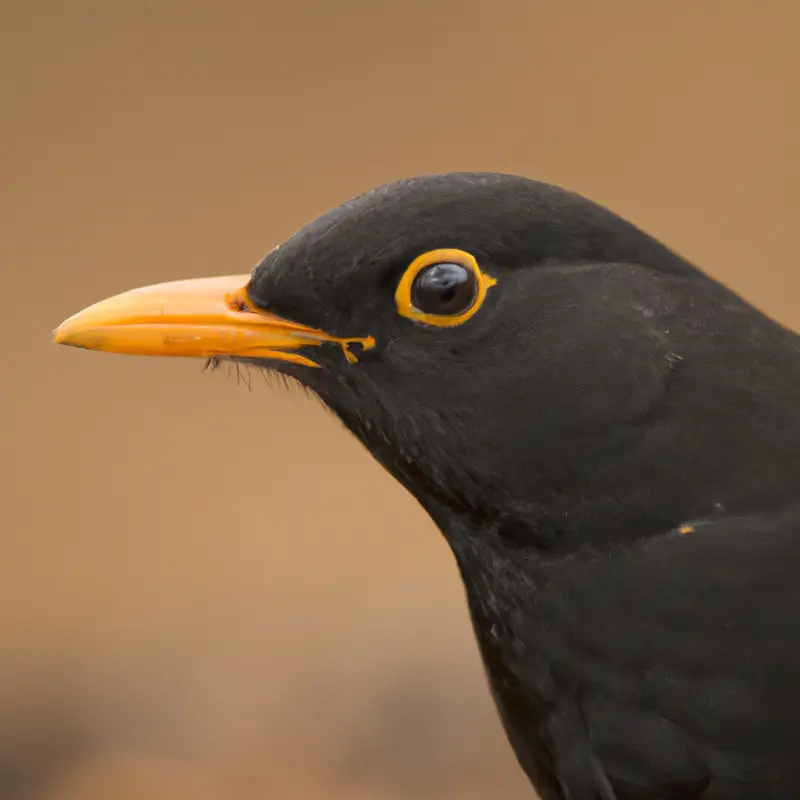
(511, 352)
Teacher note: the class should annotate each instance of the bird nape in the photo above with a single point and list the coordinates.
(608, 439)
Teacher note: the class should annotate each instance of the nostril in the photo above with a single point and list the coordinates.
(237, 301)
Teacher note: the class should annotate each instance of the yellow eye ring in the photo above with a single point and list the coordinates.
(447, 256)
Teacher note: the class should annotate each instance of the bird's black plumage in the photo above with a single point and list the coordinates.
(611, 447)
(606, 394)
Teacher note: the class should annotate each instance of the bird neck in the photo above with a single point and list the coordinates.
(724, 441)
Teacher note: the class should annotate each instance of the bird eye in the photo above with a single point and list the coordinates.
(442, 287)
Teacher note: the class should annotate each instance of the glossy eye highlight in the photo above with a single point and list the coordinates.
(442, 287)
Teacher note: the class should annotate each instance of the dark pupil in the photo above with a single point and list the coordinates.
(444, 289)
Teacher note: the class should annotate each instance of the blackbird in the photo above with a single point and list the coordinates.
(608, 439)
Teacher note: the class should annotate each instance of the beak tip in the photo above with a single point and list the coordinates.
(69, 334)
(61, 334)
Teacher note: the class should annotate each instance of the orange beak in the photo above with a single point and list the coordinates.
(204, 317)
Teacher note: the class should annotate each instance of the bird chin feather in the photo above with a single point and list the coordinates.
(273, 373)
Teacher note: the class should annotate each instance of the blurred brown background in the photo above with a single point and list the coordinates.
(176, 620)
